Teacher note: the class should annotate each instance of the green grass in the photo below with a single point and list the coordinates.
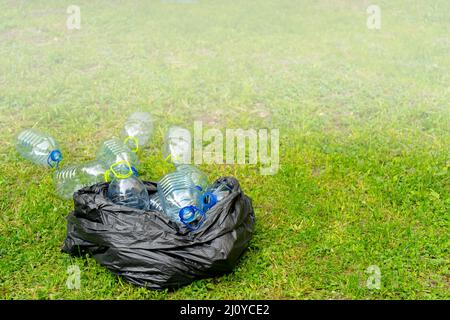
(364, 136)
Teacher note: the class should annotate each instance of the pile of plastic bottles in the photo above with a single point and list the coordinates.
(184, 195)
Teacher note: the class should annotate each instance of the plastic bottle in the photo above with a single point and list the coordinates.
(126, 189)
(215, 193)
(155, 203)
(198, 177)
(181, 200)
(177, 145)
(115, 150)
(39, 148)
(72, 178)
(137, 130)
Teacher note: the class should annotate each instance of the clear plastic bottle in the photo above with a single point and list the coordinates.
(115, 150)
(215, 193)
(72, 178)
(181, 200)
(38, 148)
(137, 130)
(126, 189)
(177, 145)
(198, 177)
(155, 203)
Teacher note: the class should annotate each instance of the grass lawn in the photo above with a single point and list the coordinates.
(364, 118)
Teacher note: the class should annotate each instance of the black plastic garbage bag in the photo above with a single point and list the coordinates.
(147, 249)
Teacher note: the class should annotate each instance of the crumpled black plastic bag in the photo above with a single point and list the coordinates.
(147, 249)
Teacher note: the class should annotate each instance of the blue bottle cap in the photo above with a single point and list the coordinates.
(54, 156)
(209, 200)
(189, 217)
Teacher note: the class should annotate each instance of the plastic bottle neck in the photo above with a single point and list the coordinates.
(209, 200)
(109, 175)
(134, 146)
(190, 215)
(54, 158)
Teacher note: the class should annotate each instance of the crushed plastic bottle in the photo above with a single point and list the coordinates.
(181, 200)
(137, 130)
(177, 145)
(155, 203)
(126, 189)
(72, 178)
(198, 177)
(115, 150)
(38, 148)
(215, 193)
